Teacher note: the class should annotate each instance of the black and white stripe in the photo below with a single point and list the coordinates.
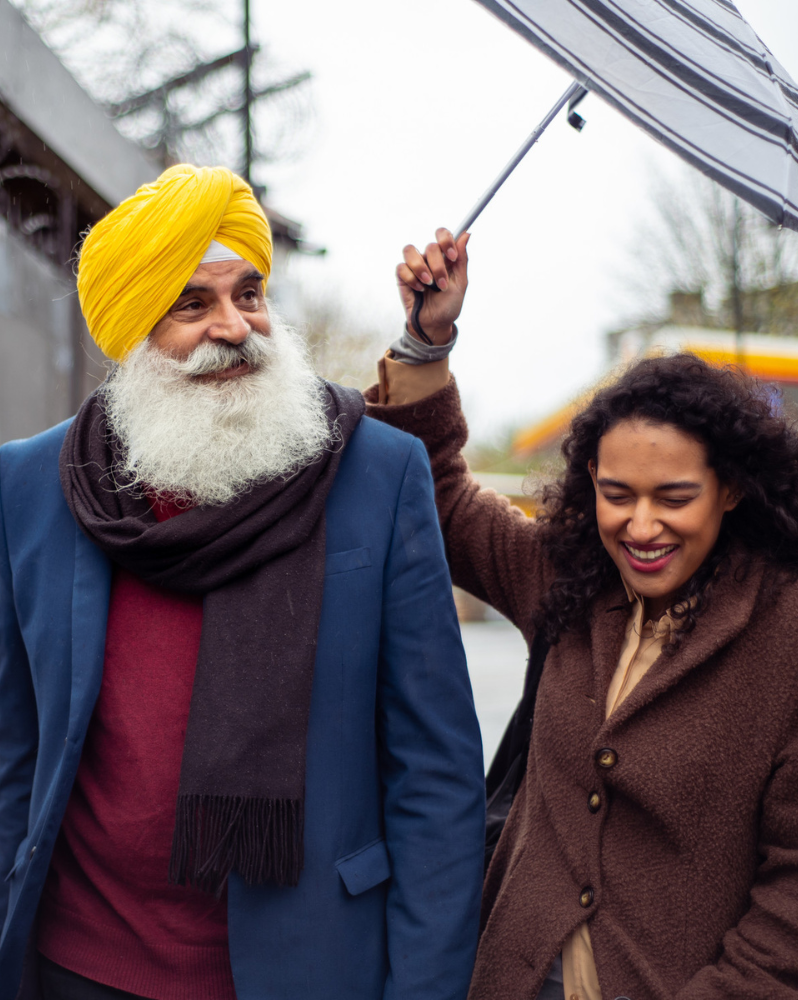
(691, 73)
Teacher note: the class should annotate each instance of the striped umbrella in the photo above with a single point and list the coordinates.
(691, 73)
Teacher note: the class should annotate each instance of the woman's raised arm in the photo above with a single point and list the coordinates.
(493, 548)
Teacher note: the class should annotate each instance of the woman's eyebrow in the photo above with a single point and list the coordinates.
(681, 484)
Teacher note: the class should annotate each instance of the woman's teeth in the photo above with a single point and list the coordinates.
(650, 554)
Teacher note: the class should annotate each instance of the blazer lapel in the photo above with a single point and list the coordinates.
(732, 604)
(91, 591)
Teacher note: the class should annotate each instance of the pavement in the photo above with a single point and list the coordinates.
(497, 655)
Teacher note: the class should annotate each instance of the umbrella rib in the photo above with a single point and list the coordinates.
(712, 31)
(689, 78)
(728, 44)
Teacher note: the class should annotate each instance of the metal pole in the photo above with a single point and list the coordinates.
(572, 92)
(247, 97)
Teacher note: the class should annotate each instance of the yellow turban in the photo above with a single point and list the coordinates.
(137, 260)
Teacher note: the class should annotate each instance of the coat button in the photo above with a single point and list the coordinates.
(586, 898)
(606, 758)
(594, 802)
(33, 850)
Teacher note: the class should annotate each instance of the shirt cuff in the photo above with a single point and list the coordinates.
(402, 383)
(410, 351)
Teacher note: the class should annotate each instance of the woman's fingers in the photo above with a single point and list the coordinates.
(447, 243)
(436, 262)
(416, 263)
(406, 277)
(442, 268)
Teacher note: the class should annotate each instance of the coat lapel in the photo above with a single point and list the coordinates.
(731, 606)
(607, 631)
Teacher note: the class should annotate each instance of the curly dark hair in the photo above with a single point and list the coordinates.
(749, 444)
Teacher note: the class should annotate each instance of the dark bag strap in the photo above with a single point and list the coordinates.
(508, 766)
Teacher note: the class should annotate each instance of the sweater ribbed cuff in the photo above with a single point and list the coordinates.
(410, 351)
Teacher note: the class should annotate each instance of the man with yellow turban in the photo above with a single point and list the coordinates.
(238, 751)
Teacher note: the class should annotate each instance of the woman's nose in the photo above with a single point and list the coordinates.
(644, 525)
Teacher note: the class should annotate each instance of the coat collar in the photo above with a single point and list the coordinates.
(732, 603)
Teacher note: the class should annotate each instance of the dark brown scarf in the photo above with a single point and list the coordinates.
(259, 562)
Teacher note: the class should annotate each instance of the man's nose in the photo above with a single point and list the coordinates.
(228, 324)
(644, 525)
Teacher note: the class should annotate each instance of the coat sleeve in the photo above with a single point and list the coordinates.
(18, 726)
(493, 548)
(430, 760)
(759, 960)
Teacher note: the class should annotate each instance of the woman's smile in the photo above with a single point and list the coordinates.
(649, 559)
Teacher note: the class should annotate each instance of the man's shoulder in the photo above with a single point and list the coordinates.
(382, 442)
(42, 445)
(375, 465)
(37, 455)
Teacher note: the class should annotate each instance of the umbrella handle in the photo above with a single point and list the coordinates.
(574, 95)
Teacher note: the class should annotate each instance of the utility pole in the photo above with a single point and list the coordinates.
(247, 109)
(174, 125)
(736, 283)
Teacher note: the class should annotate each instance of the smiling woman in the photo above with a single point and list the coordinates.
(652, 849)
(682, 463)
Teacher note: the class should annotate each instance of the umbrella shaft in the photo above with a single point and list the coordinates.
(469, 220)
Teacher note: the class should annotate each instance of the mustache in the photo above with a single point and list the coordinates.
(212, 357)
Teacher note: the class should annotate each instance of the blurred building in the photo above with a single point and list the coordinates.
(769, 351)
(63, 165)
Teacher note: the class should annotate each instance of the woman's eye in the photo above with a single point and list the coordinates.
(677, 501)
(615, 497)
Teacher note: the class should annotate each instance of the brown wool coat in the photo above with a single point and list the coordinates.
(692, 858)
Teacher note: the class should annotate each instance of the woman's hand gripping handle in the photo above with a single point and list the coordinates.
(432, 286)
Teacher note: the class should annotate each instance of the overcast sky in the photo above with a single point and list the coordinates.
(418, 105)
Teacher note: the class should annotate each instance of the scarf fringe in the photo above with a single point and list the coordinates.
(262, 839)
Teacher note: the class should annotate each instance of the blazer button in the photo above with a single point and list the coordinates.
(33, 850)
(606, 758)
(594, 802)
(586, 898)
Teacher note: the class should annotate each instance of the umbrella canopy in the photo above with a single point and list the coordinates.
(691, 73)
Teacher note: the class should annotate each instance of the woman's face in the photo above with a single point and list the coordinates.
(659, 507)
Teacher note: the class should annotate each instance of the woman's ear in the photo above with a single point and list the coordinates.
(734, 496)
(591, 468)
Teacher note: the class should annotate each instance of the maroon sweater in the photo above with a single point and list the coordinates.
(108, 911)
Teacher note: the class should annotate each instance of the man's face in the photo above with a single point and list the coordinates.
(222, 301)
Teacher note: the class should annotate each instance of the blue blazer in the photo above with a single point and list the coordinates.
(387, 904)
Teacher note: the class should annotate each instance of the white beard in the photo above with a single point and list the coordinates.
(208, 441)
